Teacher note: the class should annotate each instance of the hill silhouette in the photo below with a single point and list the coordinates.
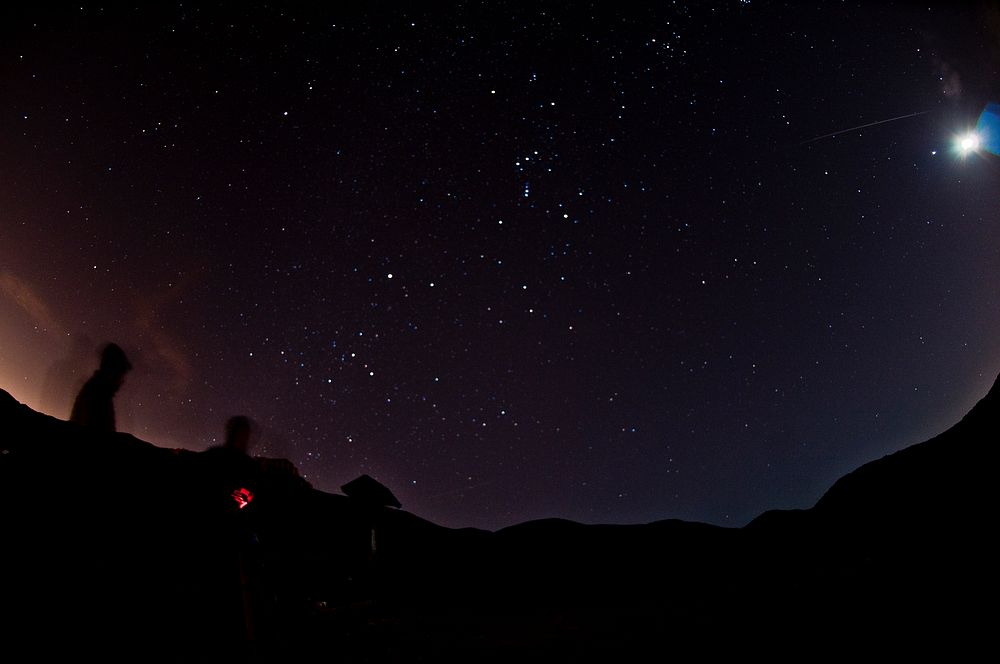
(108, 530)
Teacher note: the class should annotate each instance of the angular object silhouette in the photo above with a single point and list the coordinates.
(370, 491)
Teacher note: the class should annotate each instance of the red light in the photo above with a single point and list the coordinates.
(242, 497)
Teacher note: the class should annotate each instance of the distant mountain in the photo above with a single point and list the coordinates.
(106, 529)
(945, 483)
(950, 478)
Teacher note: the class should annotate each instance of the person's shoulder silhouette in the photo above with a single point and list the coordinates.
(94, 405)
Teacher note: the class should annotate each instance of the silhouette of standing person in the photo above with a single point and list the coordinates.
(94, 406)
(231, 562)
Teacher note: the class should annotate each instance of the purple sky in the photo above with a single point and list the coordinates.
(514, 261)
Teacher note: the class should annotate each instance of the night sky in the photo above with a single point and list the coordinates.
(514, 260)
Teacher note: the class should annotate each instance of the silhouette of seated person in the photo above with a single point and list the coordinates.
(94, 406)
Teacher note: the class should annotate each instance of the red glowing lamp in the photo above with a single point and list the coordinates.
(242, 496)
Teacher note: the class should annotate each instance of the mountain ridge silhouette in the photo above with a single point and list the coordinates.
(898, 545)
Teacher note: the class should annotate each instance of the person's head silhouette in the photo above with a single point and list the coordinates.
(238, 431)
(94, 405)
(114, 363)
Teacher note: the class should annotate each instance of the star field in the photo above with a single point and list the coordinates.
(607, 263)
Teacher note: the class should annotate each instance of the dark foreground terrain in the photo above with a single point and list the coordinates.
(112, 546)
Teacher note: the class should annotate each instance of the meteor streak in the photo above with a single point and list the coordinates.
(870, 124)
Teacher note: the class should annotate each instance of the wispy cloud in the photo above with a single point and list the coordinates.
(165, 347)
(25, 296)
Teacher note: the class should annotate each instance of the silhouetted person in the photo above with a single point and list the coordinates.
(94, 407)
(229, 468)
(229, 486)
